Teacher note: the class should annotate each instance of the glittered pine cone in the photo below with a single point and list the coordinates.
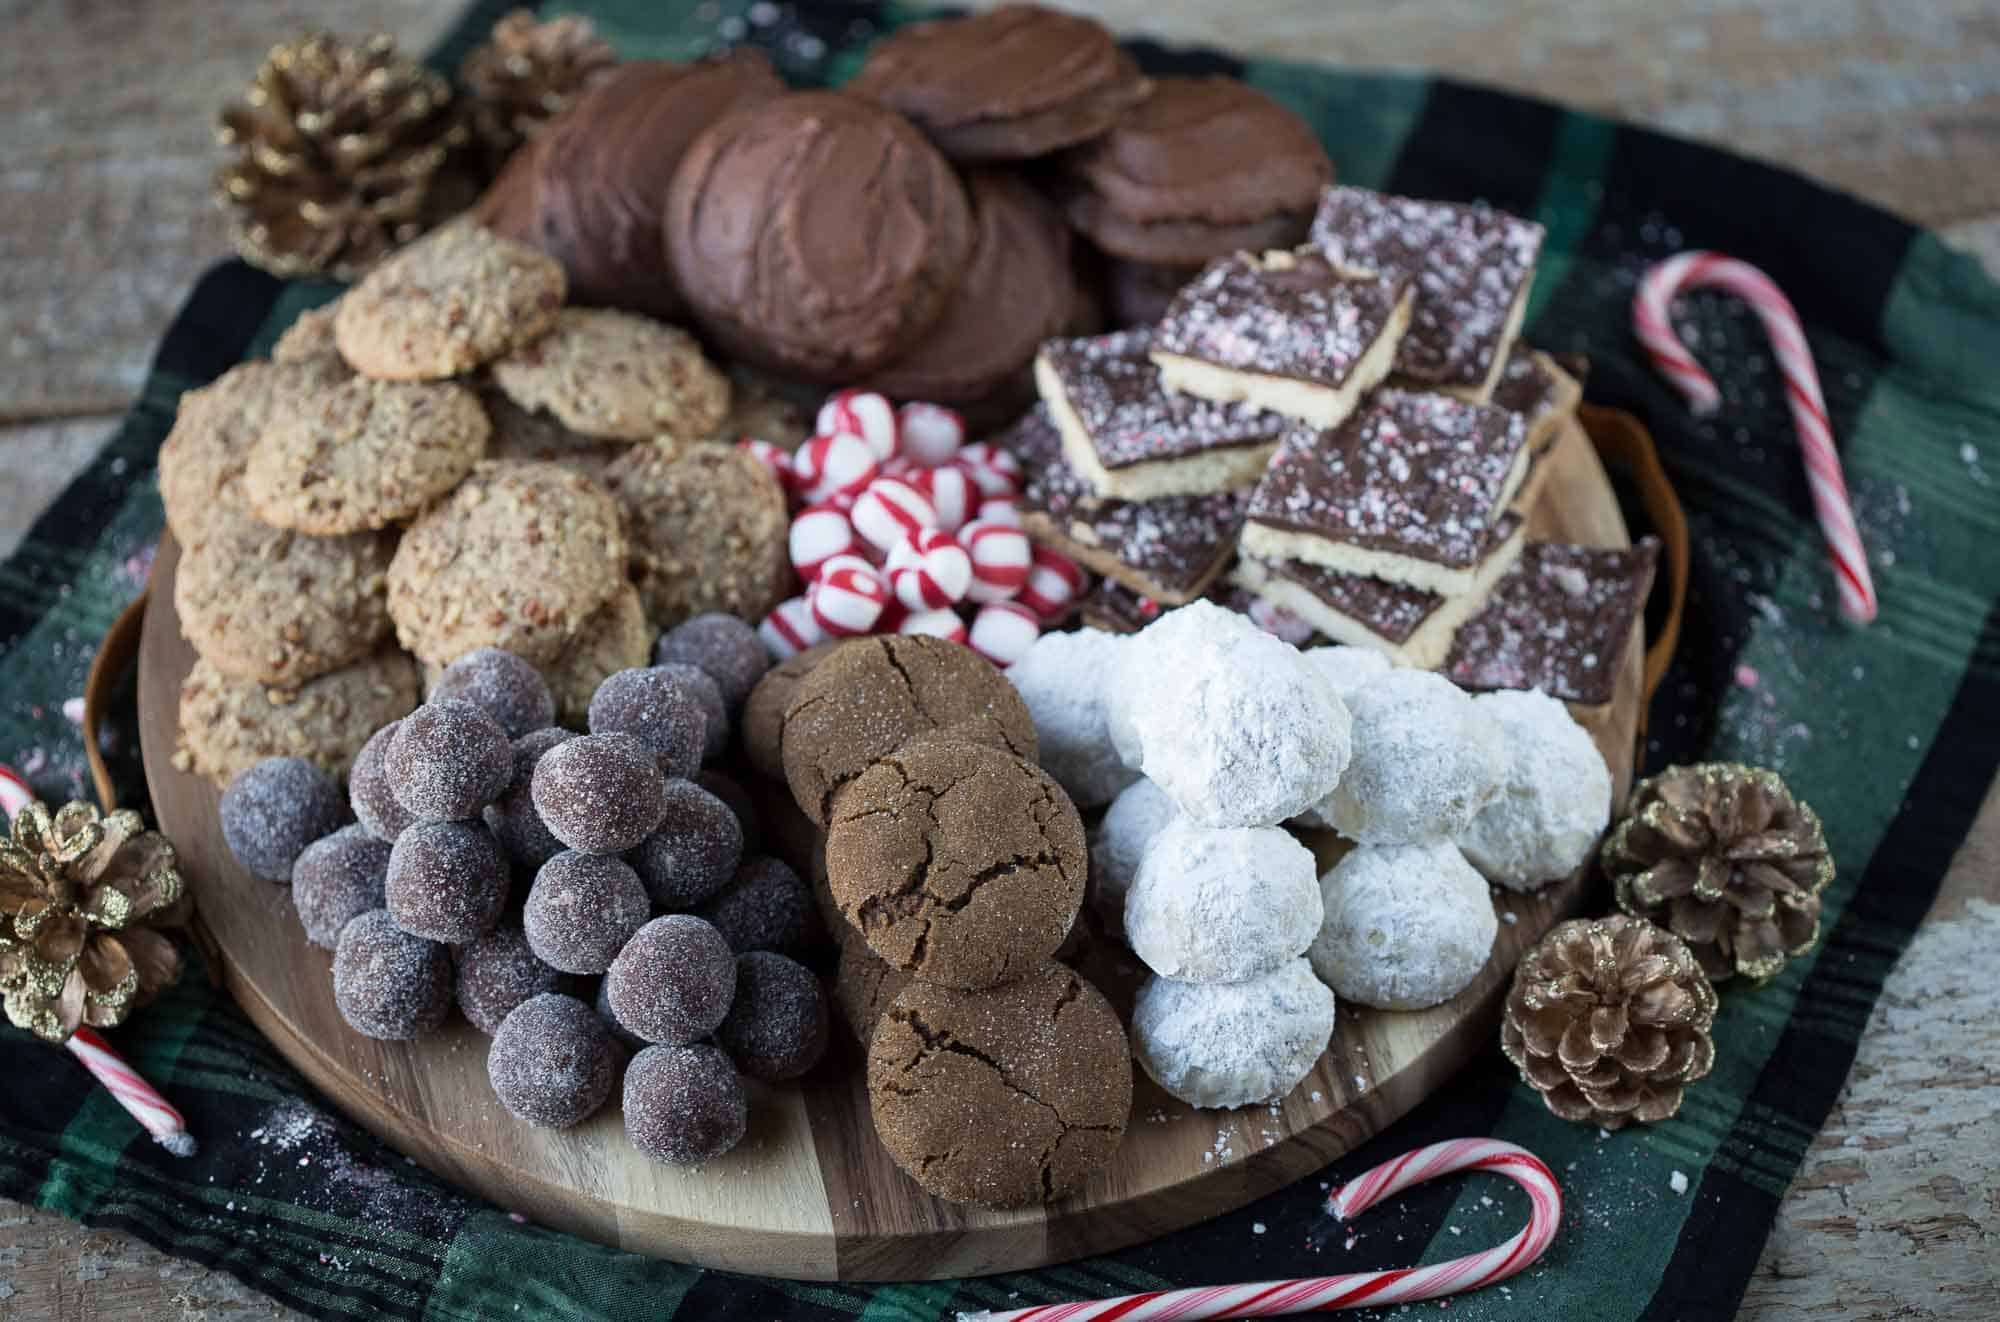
(1609, 1020)
(1726, 859)
(526, 74)
(78, 893)
(345, 152)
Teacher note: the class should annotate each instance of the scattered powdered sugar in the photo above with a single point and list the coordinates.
(1554, 799)
(1062, 680)
(1407, 926)
(1678, 1182)
(1231, 1044)
(1222, 905)
(1425, 761)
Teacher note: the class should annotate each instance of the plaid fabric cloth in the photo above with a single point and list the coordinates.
(1868, 725)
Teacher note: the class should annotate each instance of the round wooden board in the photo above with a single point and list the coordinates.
(811, 1193)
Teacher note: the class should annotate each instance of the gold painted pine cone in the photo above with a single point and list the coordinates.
(1609, 1020)
(525, 74)
(1724, 857)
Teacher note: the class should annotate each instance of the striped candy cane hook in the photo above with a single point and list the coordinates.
(1650, 322)
(1326, 1294)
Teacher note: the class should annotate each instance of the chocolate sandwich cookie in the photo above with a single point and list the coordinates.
(816, 234)
(1471, 267)
(1559, 621)
(588, 189)
(1015, 82)
(1288, 332)
(1201, 168)
(1407, 490)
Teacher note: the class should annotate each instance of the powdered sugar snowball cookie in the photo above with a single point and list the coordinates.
(1407, 926)
(1349, 667)
(1235, 725)
(1218, 1045)
(1425, 761)
(1224, 905)
(932, 433)
(1554, 800)
(1061, 678)
(1002, 632)
(1119, 842)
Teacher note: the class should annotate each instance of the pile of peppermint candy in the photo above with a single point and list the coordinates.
(900, 526)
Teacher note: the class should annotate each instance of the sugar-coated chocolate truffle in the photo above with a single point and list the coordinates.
(274, 809)
(673, 981)
(387, 983)
(374, 803)
(448, 761)
(730, 790)
(776, 1027)
(582, 910)
(661, 709)
(727, 650)
(715, 730)
(619, 1033)
(512, 817)
(684, 1105)
(337, 877)
(447, 881)
(497, 972)
(502, 685)
(694, 852)
(600, 793)
(765, 907)
(551, 1061)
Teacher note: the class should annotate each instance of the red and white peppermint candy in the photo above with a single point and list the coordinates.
(997, 472)
(15, 794)
(790, 629)
(931, 433)
(862, 413)
(891, 509)
(1054, 583)
(1003, 631)
(999, 509)
(946, 624)
(848, 597)
(952, 494)
(835, 465)
(1000, 559)
(929, 571)
(776, 460)
(817, 534)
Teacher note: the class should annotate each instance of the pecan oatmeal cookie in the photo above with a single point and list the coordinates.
(617, 376)
(708, 530)
(616, 637)
(229, 725)
(202, 459)
(520, 436)
(310, 338)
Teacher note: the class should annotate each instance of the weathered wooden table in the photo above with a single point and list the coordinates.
(104, 193)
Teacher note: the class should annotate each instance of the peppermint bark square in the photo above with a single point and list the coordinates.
(1411, 625)
(1535, 386)
(1471, 267)
(1131, 438)
(1288, 332)
(1407, 490)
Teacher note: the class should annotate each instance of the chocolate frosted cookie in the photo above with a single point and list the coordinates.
(816, 234)
(203, 457)
(613, 375)
(587, 189)
(708, 528)
(1139, 293)
(1014, 82)
(229, 724)
(870, 696)
(1044, 1065)
(1201, 168)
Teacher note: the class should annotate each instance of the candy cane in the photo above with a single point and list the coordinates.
(1788, 339)
(151, 1110)
(14, 793)
(1326, 1294)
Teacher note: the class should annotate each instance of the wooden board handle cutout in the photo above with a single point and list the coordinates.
(1621, 439)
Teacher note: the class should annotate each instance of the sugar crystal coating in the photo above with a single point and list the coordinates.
(662, 709)
(684, 1104)
(1228, 1044)
(765, 907)
(447, 881)
(620, 1034)
(673, 981)
(374, 803)
(1554, 799)
(387, 983)
(777, 1024)
(502, 685)
(725, 647)
(694, 852)
(448, 761)
(730, 790)
(715, 711)
(1426, 760)
(1407, 926)
(600, 793)
(338, 877)
(273, 810)
(551, 1061)
(512, 817)
(582, 910)
(497, 972)
(1222, 905)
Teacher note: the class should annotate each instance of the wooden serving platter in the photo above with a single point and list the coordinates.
(811, 1193)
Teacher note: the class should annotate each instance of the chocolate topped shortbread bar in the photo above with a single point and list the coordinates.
(1289, 332)
(1535, 386)
(1471, 267)
(1407, 490)
(1131, 438)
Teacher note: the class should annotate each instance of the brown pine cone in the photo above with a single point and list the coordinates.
(526, 74)
(345, 153)
(1724, 857)
(1608, 1019)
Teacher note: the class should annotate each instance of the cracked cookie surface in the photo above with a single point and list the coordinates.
(1004, 1097)
(960, 864)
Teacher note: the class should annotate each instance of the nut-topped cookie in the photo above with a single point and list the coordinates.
(228, 725)
(618, 377)
(362, 454)
(613, 638)
(708, 530)
(202, 459)
(523, 436)
(516, 558)
(456, 298)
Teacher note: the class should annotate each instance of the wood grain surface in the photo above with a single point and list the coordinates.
(104, 184)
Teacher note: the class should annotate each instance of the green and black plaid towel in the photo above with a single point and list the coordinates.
(1887, 731)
